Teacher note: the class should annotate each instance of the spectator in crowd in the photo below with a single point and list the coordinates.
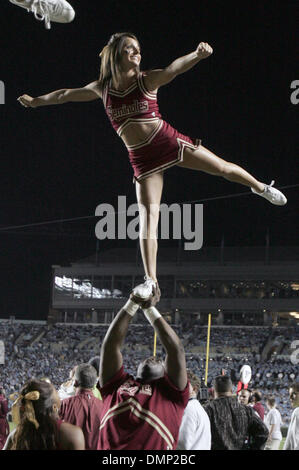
(67, 388)
(95, 362)
(195, 430)
(256, 398)
(211, 393)
(273, 422)
(143, 413)
(39, 426)
(58, 352)
(84, 409)
(233, 425)
(292, 440)
(244, 396)
(4, 426)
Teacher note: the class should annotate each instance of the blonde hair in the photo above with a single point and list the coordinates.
(110, 60)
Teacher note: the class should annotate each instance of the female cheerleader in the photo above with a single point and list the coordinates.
(130, 100)
(39, 427)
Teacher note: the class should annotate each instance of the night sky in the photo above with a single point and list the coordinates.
(60, 162)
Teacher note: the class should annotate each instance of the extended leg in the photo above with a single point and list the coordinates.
(203, 160)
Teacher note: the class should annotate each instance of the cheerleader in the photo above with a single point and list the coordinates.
(130, 101)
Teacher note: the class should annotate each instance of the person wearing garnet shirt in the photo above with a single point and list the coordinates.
(84, 409)
(4, 426)
(256, 398)
(143, 413)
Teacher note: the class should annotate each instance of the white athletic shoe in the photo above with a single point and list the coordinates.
(272, 194)
(58, 11)
(145, 290)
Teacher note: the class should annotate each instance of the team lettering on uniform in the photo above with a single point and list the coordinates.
(130, 388)
(127, 109)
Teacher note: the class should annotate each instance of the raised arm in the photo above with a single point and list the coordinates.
(156, 78)
(111, 356)
(175, 362)
(89, 92)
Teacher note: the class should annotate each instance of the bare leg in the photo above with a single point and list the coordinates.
(203, 160)
(149, 192)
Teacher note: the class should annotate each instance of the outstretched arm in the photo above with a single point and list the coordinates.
(88, 93)
(156, 78)
(175, 362)
(111, 356)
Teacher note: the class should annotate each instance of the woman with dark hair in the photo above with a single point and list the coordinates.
(4, 426)
(38, 424)
(130, 101)
(256, 400)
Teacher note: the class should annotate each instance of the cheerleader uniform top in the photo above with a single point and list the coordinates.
(163, 147)
(135, 104)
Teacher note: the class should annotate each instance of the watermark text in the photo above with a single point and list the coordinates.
(176, 222)
(295, 354)
(295, 95)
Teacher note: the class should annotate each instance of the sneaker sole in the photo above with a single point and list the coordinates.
(281, 203)
(67, 15)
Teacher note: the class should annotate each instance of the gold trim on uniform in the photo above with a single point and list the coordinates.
(123, 93)
(129, 120)
(150, 95)
(182, 144)
(141, 413)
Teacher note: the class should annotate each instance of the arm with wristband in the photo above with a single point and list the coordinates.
(175, 362)
(111, 356)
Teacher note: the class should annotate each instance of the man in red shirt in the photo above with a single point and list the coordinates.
(84, 409)
(143, 413)
(4, 426)
(256, 399)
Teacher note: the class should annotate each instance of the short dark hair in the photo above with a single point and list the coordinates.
(244, 390)
(86, 376)
(222, 384)
(271, 400)
(95, 362)
(257, 395)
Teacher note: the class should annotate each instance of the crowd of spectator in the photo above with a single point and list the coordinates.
(60, 347)
(236, 289)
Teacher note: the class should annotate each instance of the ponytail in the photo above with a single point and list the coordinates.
(33, 414)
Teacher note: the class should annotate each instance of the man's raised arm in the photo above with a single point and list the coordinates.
(111, 356)
(175, 362)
